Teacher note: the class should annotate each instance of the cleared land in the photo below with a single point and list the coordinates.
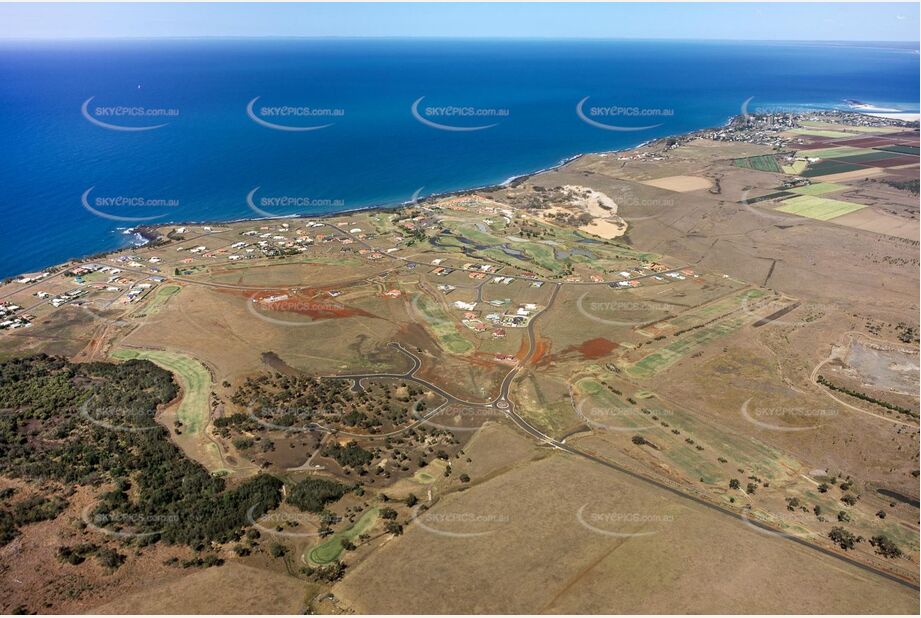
(819, 208)
(194, 378)
(606, 545)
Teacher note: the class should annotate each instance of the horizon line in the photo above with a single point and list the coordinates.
(440, 38)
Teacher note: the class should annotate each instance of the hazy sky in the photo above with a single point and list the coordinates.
(751, 21)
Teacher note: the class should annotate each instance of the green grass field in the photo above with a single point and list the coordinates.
(193, 377)
(161, 297)
(443, 326)
(330, 549)
(819, 208)
(762, 163)
(818, 188)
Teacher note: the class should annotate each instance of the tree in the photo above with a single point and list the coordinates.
(393, 528)
(277, 550)
(464, 478)
(638, 440)
(842, 538)
(411, 500)
(885, 546)
(734, 484)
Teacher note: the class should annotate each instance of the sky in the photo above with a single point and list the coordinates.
(741, 21)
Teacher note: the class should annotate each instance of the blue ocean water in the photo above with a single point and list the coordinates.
(71, 184)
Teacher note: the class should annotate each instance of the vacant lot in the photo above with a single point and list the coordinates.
(599, 543)
(680, 183)
(229, 589)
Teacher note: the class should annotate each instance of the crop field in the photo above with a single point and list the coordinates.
(330, 549)
(911, 150)
(835, 152)
(827, 168)
(795, 168)
(193, 377)
(867, 157)
(819, 208)
(763, 163)
(818, 188)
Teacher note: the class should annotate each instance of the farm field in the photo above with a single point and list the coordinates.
(819, 208)
(818, 188)
(764, 163)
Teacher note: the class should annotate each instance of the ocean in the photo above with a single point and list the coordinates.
(98, 137)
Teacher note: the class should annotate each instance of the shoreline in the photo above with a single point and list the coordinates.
(147, 235)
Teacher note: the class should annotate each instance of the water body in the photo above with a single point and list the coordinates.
(210, 160)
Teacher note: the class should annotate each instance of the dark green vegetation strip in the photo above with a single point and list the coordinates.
(911, 150)
(912, 186)
(864, 158)
(823, 168)
(864, 397)
(769, 196)
(762, 163)
(93, 424)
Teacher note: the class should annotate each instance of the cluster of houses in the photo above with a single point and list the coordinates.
(499, 320)
(9, 320)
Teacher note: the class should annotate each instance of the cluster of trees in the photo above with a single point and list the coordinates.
(296, 401)
(349, 456)
(93, 423)
(313, 494)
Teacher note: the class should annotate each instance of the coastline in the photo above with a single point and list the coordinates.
(147, 233)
